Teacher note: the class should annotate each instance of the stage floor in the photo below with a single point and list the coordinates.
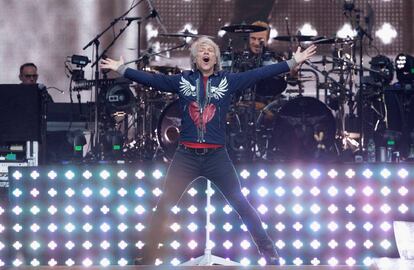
(215, 267)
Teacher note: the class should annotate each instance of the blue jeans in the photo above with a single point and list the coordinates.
(216, 166)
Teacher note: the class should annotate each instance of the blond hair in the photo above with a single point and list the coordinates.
(265, 25)
(194, 50)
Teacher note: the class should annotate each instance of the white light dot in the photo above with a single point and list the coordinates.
(332, 173)
(122, 174)
(350, 173)
(69, 175)
(87, 174)
(139, 174)
(104, 174)
(386, 33)
(280, 174)
(34, 175)
(52, 175)
(315, 174)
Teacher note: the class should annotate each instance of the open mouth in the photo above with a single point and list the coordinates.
(206, 59)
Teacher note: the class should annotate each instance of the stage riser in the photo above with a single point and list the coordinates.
(329, 214)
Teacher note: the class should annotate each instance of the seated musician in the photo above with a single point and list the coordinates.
(28, 75)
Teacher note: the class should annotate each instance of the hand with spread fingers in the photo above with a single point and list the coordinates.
(301, 56)
(109, 63)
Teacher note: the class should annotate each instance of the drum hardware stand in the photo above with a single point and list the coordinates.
(208, 258)
(326, 76)
(341, 111)
(315, 73)
(232, 58)
(251, 121)
(354, 15)
(143, 136)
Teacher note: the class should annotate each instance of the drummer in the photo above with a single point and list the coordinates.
(258, 46)
(258, 41)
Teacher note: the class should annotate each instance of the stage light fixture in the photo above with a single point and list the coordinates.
(382, 69)
(404, 64)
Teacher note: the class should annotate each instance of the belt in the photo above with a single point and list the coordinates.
(198, 151)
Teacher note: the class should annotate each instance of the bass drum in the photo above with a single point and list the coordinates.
(301, 129)
(168, 129)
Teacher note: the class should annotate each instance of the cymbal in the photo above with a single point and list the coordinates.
(243, 28)
(333, 40)
(184, 34)
(323, 61)
(298, 81)
(164, 69)
(299, 38)
(294, 91)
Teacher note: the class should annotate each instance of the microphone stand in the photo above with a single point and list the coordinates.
(355, 16)
(122, 30)
(95, 41)
(290, 52)
(208, 258)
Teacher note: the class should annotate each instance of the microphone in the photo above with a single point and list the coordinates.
(262, 46)
(290, 53)
(41, 87)
(349, 5)
(287, 25)
(131, 19)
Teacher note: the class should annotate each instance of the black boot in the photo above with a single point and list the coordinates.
(271, 256)
(149, 254)
(268, 251)
(144, 258)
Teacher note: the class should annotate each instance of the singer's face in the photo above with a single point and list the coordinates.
(206, 59)
(29, 75)
(256, 39)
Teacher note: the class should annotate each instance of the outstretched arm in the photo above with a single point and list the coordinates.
(160, 82)
(243, 80)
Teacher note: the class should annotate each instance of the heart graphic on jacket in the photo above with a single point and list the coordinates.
(208, 114)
